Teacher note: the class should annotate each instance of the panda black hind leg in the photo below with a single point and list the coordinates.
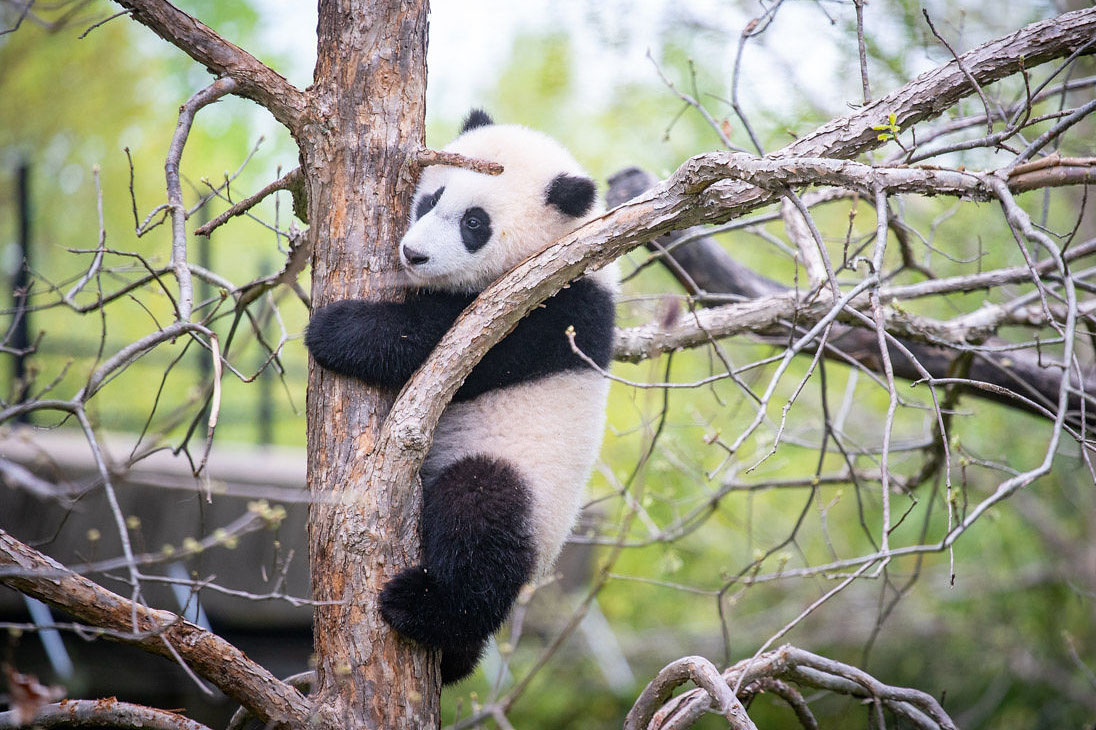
(478, 552)
(457, 662)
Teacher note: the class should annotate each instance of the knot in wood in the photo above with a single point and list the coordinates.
(411, 437)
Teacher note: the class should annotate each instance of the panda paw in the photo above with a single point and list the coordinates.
(408, 604)
(330, 335)
(459, 662)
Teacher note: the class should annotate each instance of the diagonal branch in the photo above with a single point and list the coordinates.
(158, 632)
(935, 91)
(256, 81)
(698, 192)
(285, 182)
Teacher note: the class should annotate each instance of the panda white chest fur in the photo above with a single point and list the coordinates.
(504, 479)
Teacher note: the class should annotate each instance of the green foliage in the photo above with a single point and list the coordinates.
(888, 131)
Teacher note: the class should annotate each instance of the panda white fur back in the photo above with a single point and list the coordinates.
(504, 479)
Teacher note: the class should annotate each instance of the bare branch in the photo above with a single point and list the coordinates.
(15, 475)
(207, 654)
(426, 157)
(789, 694)
(285, 182)
(702, 673)
(100, 23)
(934, 91)
(808, 670)
(206, 96)
(862, 49)
(962, 67)
(772, 306)
(107, 712)
(804, 233)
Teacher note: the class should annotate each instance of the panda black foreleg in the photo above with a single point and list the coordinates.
(382, 343)
(478, 552)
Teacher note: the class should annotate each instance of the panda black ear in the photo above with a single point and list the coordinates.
(573, 195)
(476, 118)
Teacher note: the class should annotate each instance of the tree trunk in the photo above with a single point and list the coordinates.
(365, 125)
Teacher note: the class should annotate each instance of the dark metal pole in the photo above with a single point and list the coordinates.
(265, 414)
(20, 287)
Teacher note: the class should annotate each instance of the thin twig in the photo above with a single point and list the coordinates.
(285, 182)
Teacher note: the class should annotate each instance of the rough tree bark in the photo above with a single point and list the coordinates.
(357, 150)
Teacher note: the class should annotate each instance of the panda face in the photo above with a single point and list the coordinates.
(451, 243)
(468, 228)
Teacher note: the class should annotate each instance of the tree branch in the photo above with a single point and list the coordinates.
(285, 182)
(698, 192)
(156, 631)
(935, 91)
(709, 266)
(255, 80)
(702, 673)
(808, 670)
(426, 157)
(203, 98)
(108, 713)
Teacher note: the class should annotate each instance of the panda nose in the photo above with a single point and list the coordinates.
(414, 257)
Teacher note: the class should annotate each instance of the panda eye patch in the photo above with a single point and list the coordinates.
(427, 202)
(475, 228)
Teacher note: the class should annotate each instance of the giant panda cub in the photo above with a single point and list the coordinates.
(504, 478)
